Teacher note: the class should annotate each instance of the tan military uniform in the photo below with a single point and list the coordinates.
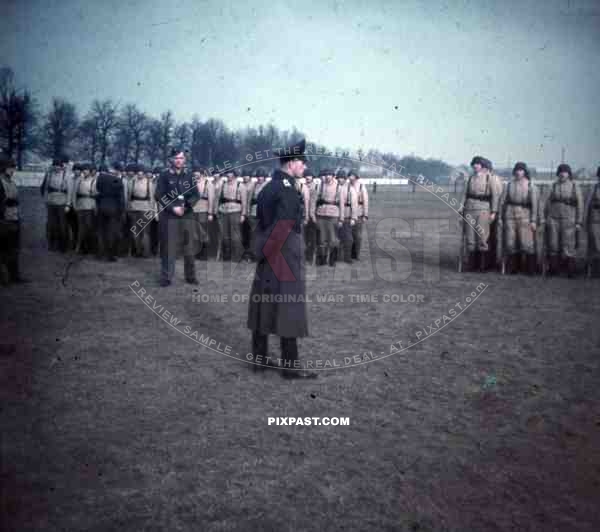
(480, 199)
(55, 188)
(140, 200)
(363, 213)
(562, 211)
(519, 210)
(325, 208)
(83, 199)
(310, 224)
(202, 208)
(232, 204)
(349, 213)
(592, 222)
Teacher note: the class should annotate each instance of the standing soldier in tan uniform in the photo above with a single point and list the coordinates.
(363, 213)
(349, 214)
(325, 208)
(245, 227)
(232, 208)
(592, 225)
(260, 175)
(310, 224)
(10, 227)
(519, 206)
(83, 200)
(495, 240)
(55, 188)
(140, 200)
(562, 214)
(479, 205)
(203, 210)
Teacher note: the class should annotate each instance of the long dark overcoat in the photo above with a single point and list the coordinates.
(280, 213)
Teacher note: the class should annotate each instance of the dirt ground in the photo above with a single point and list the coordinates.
(113, 419)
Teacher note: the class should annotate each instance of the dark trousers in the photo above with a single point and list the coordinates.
(310, 239)
(9, 248)
(202, 235)
(73, 228)
(177, 236)
(109, 231)
(86, 235)
(140, 244)
(246, 237)
(357, 230)
(289, 348)
(345, 236)
(58, 228)
(213, 237)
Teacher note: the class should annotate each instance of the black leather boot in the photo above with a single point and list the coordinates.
(333, 256)
(289, 354)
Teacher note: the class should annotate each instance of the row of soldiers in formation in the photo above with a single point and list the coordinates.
(335, 210)
(516, 212)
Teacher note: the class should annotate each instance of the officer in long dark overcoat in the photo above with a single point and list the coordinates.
(279, 249)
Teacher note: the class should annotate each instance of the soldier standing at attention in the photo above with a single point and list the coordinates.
(55, 188)
(232, 208)
(480, 203)
(519, 207)
(83, 200)
(245, 228)
(562, 214)
(280, 267)
(140, 201)
(363, 213)
(10, 227)
(592, 224)
(325, 208)
(203, 209)
(177, 194)
(110, 202)
(260, 183)
(349, 214)
(310, 225)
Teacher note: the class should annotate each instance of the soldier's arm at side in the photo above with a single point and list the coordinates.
(353, 204)
(72, 188)
(244, 199)
(534, 205)
(43, 185)
(313, 201)
(365, 198)
(496, 190)
(579, 208)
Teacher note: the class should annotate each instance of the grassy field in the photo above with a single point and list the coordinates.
(111, 419)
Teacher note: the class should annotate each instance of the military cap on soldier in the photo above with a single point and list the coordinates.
(198, 169)
(177, 150)
(260, 172)
(353, 173)
(103, 168)
(308, 172)
(521, 166)
(233, 171)
(326, 171)
(58, 161)
(294, 152)
(564, 168)
(478, 160)
(341, 174)
(157, 170)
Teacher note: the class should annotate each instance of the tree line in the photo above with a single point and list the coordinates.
(109, 133)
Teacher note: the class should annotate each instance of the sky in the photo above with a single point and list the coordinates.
(510, 80)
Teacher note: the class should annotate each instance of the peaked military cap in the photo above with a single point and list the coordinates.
(291, 153)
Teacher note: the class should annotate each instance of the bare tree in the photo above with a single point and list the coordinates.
(181, 134)
(166, 135)
(129, 141)
(88, 139)
(18, 117)
(105, 115)
(153, 140)
(59, 129)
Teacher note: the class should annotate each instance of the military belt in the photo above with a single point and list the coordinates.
(569, 202)
(519, 204)
(323, 202)
(225, 200)
(480, 198)
(52, 189)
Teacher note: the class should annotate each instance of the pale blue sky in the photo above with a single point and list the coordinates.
(507, 79)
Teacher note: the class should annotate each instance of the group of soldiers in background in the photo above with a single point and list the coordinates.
(93, 210)
(508, 218)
